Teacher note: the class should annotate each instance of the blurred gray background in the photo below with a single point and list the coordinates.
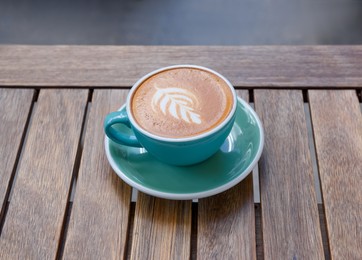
(181, 22)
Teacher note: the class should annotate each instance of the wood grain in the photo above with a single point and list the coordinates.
(35, 215)
(256, 66)
(226, 222)
(15, 105)
(99, 220)
(291, 228)
(337, 124)
(162, 229)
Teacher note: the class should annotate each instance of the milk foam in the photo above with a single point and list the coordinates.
(181, 102)
(178, 102)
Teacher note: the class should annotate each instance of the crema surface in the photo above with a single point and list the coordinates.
(181, 102)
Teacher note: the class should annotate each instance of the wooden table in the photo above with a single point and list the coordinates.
(61, 199)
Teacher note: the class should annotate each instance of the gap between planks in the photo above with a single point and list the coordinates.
(359, 95)
(5, 206)
(312, 151)
(129, 237)
(317, 185)
(73, 185)
(318, 189)
(29, 121)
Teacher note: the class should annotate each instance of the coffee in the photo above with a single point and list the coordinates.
(181, 102)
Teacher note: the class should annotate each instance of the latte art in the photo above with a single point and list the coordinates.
(177, 102)
(181, 102)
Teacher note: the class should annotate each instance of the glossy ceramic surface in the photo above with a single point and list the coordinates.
(175, 151)
(232, 163)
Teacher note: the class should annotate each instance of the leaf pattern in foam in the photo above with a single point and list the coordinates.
(177, 102)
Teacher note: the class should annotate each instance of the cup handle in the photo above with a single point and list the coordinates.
(119, 117)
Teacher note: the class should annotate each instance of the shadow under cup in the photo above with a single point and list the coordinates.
(174, 151)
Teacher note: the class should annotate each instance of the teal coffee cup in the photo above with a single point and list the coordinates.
(180, 114)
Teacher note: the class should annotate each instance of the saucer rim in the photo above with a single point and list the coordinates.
(194, 195)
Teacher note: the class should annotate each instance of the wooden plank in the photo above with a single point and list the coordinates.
(337, 124)
(162, 229)
(291, 228)
(35, 215)
(226, 222)
(15, 105)
(99, 220)
(256, 66)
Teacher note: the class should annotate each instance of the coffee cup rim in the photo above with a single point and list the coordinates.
(183, 139)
